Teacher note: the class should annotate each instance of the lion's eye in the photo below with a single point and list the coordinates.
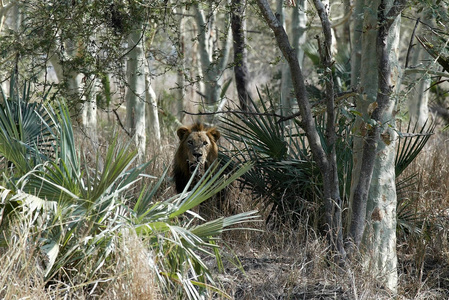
(205, 143)
(190, 142)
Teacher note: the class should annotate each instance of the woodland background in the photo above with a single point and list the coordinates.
(333, 153)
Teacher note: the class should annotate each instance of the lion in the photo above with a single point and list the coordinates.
(197, 148)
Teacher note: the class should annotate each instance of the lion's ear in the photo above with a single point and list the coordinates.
(214, 133)
(182, 132)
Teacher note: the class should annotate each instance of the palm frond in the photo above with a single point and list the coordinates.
(26, 135)
(411, 144)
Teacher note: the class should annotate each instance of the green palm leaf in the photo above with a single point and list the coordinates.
(26, 135)
(411, 144)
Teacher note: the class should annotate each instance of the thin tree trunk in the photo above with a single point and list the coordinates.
(153, 116)
(418, 104)
(72, 80)
(327, 167)
(365, 141)
(10, 18)
(287, 93)
(135, 94)
(212, 66)
(332, 199)
(419, 95)
(89, 110)
(299, 35)
(356, 67)
(238, 25)
(180, 91)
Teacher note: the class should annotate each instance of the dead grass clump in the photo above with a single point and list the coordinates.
(128, 275)
(423, 255)
(132, 274)
(296, 264)
(21, 275)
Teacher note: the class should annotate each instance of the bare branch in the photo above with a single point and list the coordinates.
(410, 45)
(234, 112)
(120, 123)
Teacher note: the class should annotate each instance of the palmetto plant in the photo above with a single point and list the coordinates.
(82, 212)
(284, 176)
(24, 127)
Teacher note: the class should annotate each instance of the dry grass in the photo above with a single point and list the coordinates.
(133, 276)
(273, 264)
(295, 264)
(22, 272)
(424, 258)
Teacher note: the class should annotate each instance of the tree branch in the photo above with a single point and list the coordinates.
(234, 112)
(120, 123)
(331, 186)
(298, 83)
(410, 45)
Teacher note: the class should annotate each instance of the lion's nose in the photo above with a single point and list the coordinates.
(197, 155)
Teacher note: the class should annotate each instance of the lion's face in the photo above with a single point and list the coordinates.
(197, 148)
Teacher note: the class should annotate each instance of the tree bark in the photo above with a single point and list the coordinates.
(72, 79)
(180, 73)
(89, 109)
(419, 96)
(380, 234)
(153, 116)
(299, 35)
(238, 25)
(135, 94)
(332, 199)
(374, 199)
(366, 132)
(212, 65)
(356, 67)
(11, 18)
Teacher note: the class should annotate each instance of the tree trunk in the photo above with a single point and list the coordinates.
(153, 116)
(238, 25)
(180, 91)
(356, 67)
(11, 18)
(419, 95)
(363, 157)
(332, 199)
(380, 233)
(71, 78)
(89, 110)
(212, 65)
(325, 161)
(374, 199)
(135, 94)
(299, 35)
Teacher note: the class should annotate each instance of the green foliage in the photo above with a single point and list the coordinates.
(341, 69)
(81, 212)
(410, 145)
(24, 127)
(284, 177)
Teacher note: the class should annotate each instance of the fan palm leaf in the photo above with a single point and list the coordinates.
(26, 131)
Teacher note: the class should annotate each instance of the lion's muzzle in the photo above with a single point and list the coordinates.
(198, 162)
